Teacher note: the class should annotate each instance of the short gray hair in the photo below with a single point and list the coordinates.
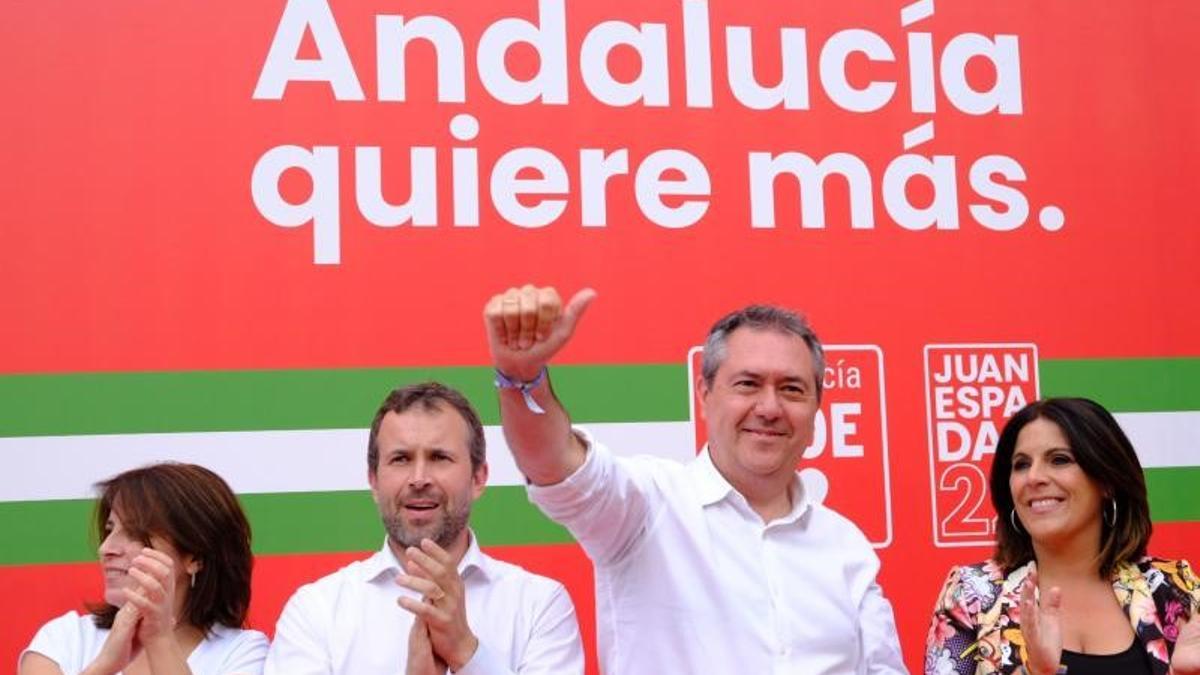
(761, 317)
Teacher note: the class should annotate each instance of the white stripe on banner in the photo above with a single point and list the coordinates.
(1163, 439)
(64, 467)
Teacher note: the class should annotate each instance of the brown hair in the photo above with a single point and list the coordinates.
(196, 511)
(1104, 454)
(428, 395)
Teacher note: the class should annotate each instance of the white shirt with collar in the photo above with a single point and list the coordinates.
(349, 622)
(690, 580)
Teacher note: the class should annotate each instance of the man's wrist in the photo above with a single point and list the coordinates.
(525, 387)
(462, 656)
(526, 373)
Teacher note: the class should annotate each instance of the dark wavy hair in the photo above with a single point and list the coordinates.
(196, 511)
(1104, 454)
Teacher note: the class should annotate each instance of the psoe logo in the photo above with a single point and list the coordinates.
(970, 392)
(846, 467)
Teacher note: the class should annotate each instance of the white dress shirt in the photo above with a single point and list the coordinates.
(349, 622)
(72, 641)
(690, 580)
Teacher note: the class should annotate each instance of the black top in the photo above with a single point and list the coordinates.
(1132, 661)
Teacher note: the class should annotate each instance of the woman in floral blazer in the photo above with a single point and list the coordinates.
(1070, 493)
(976, 624)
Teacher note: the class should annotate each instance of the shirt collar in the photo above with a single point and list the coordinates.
(383, 564)
(712, 487)
(474, 561)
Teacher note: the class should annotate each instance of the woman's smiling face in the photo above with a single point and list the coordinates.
(1057, 503)
(117, 551)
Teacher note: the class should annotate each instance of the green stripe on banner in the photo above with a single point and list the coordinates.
(1173, 493)
(40, 405)
(1126, 385)
(286, 522)
(49, 405)
(45, 532)
(323, 522)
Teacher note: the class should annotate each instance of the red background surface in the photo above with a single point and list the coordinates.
(130, 241)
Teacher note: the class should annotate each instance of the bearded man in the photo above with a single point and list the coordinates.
(429, 600)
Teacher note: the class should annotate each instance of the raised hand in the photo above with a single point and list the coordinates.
(154, 595)
(1186, 659)
(432, 573)
(527, 326)
(1041, 627)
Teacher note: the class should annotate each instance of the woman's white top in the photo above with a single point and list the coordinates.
(73, 641)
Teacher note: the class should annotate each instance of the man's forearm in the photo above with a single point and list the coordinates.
(543, 445)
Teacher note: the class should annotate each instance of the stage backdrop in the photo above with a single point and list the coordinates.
(230, 228)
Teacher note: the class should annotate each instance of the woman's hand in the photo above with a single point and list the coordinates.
(1041, 627)
(1186, 659)
(154, 596)
(121, 646)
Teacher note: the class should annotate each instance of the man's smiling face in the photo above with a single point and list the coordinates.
(761, 405)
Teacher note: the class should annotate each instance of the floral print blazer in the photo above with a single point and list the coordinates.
(976, 625)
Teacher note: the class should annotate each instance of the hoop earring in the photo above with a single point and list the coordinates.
(1113, 522)
(1012, 518)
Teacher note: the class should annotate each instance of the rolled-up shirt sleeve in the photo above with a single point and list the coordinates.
(605, 503)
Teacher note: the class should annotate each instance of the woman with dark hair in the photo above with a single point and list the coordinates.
(175, 552)
(1070, 588)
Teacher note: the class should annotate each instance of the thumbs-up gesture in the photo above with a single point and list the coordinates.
(527, 326)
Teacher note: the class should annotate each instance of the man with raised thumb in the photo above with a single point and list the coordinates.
(720, 565)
